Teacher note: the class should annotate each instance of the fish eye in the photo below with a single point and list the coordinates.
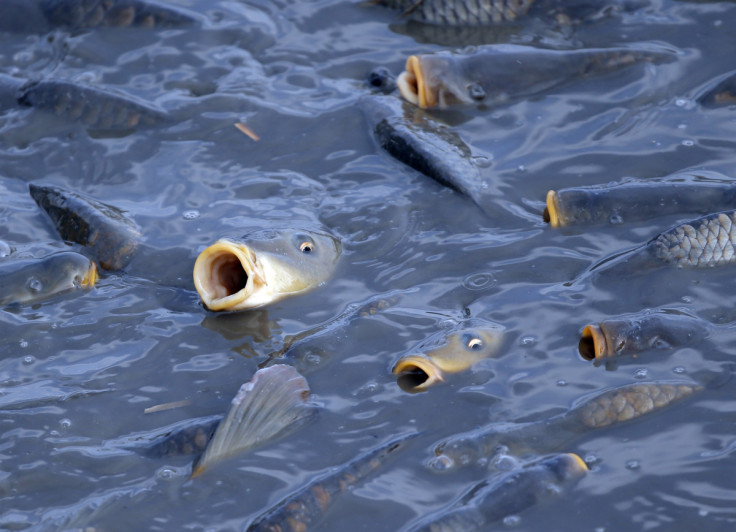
(306, 247)
(472, 342)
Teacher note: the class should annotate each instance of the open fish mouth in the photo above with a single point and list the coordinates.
(91, 277)
(412, 84)
(593, 343)
(416, 373)
(552, 211)
(225, 275)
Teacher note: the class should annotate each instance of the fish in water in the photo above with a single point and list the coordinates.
(25, 281)
(106, 230)
(273, 402)
(635, 200)
(39, 16)
(96, 108)
(420, 142)
(497, 74)
(307, 506)
(447, 352)
(492, 12)
(263, 267)
(594, 411)
(504, 494)
(723, 94)
(634, 333)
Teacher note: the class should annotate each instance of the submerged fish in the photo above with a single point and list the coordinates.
(423, 144)
(110, 235)
(594, 411)
(637, 200)
(307, 506)
(496, 74)
(447, 352)
(32, 280)
(263, 267)
(82, 14)
(274, 401)
(634, 333)
(491, 12)
(503, 495)
(724, 92)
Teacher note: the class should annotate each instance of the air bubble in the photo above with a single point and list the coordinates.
(28, 360)
(23, 343)
(562, 382)
(191, 215)
(688, 142)
(680, 102)
(512, 521)
(641, 373)
(528, 341)
(65, 423)
(679, 370)
(35, 285)
(633, 465)
(616, 219)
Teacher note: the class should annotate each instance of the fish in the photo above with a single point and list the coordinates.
(634, 333)
(494, 12)
(313, 347)
(498, 74)
(447, 352)
(96, 108)
(275, 401)
(722, 94)
(307, 506)
(263, 267)
(505, 494)
(594, 411)
(423, 144)
(635, 200)
(111, 236)
(27, 281)
(85, 14)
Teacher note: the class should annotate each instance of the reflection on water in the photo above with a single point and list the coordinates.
(78, 371)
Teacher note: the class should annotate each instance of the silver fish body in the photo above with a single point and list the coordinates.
(594, 411)
(644, 331)
(636, 200)
(497, 74)
(263, 267)
(503, 495)
(26, 281)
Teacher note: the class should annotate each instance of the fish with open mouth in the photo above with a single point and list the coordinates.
(634, 333)
(504, 494)
(26, 281)
(262, 267)
(492, 12)
(597, 410)
(96, 108)
(447, 352)
(498, 74)
(307, 506)
(635, 200)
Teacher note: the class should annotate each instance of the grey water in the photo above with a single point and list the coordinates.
(78, 371)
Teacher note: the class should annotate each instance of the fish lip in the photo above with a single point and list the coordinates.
(593, 343)
(578, 463)
(412, 364)
(217, 261)
(412, 84)
(91, 276)
(552, 211)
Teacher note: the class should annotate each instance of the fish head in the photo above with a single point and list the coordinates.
(263, 267)
(447, 352)
(427, 82)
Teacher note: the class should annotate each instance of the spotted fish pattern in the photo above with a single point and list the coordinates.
(707, 241)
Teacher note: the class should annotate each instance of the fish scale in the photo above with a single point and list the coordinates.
(475, 12)
(707, 241)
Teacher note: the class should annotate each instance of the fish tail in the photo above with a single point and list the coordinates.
(271, 402)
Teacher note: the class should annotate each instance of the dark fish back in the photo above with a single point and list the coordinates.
(82, 14)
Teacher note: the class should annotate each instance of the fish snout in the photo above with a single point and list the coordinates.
(224, 275)
(593, 343)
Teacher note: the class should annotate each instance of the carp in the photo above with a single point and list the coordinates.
(636, 200)
(597, 410)
(447, 352)
(497, 74)
(503, 495)
(26, 281)
(262, 267)
(633, 333)
(493, 12)
(423, 144)
(307, 506)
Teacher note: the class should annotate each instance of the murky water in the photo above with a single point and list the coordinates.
(78, 371)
